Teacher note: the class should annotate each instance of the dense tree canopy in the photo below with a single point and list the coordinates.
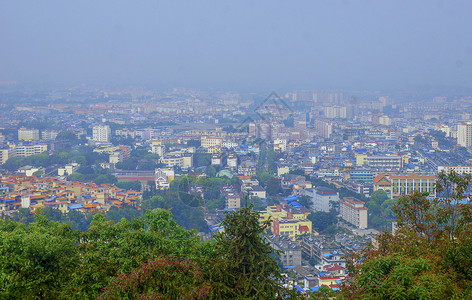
(150, 257)
(430, 255)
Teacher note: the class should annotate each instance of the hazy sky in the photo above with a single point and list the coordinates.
(238, 44)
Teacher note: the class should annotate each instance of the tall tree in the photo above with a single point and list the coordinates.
(246, 269)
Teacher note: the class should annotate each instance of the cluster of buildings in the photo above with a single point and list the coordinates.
(31, 192)
(360, 142)
(328, 254)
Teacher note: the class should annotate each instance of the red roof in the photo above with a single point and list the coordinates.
(303, 228)
(335, 267)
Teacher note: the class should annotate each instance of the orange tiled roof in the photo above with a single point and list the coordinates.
(413, 176)
(381, 179)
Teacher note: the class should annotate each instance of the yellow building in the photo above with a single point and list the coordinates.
(207, 141)
(281, 170)
(390, 161)
(405, 184)
(291, 222)
(361, 159)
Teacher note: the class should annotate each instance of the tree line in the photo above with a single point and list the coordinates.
(430, 254)
(149, 257)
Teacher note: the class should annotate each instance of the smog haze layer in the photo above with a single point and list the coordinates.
(245, 45)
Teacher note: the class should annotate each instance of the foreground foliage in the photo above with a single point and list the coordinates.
(143, 258)
(430, 255)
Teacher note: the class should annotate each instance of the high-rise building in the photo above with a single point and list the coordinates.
(335, 111)
(265, 130)
(464, 134)
(4, 155)
(301, 126)
(252, 129)
(324, 128)
(101, 133)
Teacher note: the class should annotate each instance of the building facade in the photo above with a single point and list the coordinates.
(461, 169)
(405, 184)
(464, 134)
(232, 197)
(289, 223)
(321, 198)
(101, 133)
(25, 134)
(353, 212)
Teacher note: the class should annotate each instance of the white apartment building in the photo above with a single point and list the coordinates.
(385, 120)
(335, 111)
(116, 157)
(27, 150)
(144, 134)
(183, 160)
(229, 144)
(49, 134)
(232, 161)
(68, 169)
(216, 159)
(101, 133)
(28, 134)
(321, 198)
(353, 212)
(458, 169)
(209, 142)
(21, 151)
(4, 155)
(464, 134)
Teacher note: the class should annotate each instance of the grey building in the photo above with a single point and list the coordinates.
(292, 252)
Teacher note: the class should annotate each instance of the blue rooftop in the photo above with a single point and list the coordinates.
(289, 267)
(51, 199)
(74, 206)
